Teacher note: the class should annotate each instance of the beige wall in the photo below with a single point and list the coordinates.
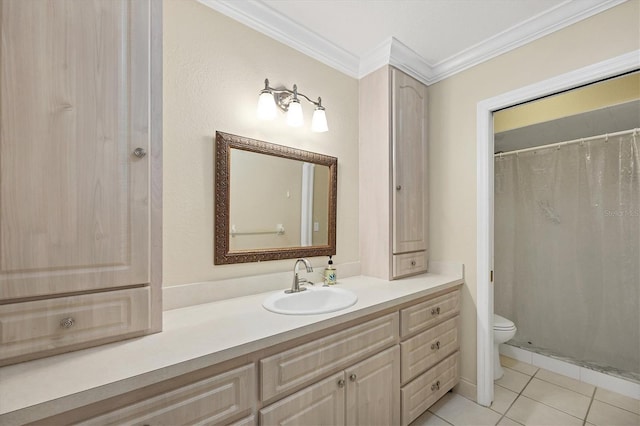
(214, 68)
(589, 98)
(452, 133)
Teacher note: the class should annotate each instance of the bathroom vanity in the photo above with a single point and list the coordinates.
(384, 360)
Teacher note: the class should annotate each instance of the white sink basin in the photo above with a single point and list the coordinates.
(315, 300)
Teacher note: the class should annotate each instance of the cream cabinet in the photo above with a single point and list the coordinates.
(424, 315)
(301, 365)
(80, 141)
(364, 394)
(429, 352)
(429, 387)
(210, 401)
(372, 390)
(393, 174)
(322, 403)
(384, 369)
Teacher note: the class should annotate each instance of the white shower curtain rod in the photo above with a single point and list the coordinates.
(559, 144)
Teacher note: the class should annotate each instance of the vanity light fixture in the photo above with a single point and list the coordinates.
(288, 101)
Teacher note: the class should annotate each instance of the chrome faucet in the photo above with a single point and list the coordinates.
(295, 286)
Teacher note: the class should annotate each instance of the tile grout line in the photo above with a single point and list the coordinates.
(449, 423)
(556, 408)
(595, 388)
(562, 386)
(615, 406)
(593, 396)
(444, 420)
(515, 399)
(535, 375)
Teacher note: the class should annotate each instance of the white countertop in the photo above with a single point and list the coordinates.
(193, 337)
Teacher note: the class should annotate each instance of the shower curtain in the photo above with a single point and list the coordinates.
(567, 250)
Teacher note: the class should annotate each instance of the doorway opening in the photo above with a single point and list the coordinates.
(485, 194)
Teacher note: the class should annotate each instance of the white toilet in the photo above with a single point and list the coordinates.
(503, 330)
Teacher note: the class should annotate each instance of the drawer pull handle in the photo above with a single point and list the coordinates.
(435, 386)
(436, 345)
(67, 322)
(413, 263)
(353, 377)
(139, 152)
(341, 383)
(435, 311)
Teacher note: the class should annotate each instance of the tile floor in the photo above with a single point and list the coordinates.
(527, 395)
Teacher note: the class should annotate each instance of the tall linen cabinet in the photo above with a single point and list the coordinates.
(393, 174)
(80, 174)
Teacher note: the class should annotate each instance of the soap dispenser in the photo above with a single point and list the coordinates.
(330, 273)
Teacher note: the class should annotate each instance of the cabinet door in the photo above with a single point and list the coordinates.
(373, 390)
(319, 404)
(409, 132)
(74, 106)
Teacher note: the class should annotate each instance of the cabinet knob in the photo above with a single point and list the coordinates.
(353, 377)
(413, 263)
(67, 322)
(341, 383)
(140, 152)
(398, 187)
(436, 345)
(435, 386)
(435, 311)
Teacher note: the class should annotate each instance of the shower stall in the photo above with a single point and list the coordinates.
(567, 250)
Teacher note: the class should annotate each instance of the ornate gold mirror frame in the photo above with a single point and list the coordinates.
(225, 142)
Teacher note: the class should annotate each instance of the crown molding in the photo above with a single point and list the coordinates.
(405, 59)
(393, 52)
(545, 23)
(257, 15)
(376, 58)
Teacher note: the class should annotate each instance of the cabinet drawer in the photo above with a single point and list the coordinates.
(420, 394)
(428, 313)
(423, 351)
(409, 264)
(42, 325)
(286, 370)
(208, 401)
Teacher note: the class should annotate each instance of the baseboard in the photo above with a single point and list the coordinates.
(467, 389)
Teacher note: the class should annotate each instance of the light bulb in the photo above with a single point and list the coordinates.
(294, 115)
(266, 106)
(319, 121)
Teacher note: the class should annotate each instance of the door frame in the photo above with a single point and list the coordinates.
(485, 148)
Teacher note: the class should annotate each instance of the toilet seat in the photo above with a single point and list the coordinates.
(502, 324)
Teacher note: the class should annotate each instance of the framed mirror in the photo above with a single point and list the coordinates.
(272, 201)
